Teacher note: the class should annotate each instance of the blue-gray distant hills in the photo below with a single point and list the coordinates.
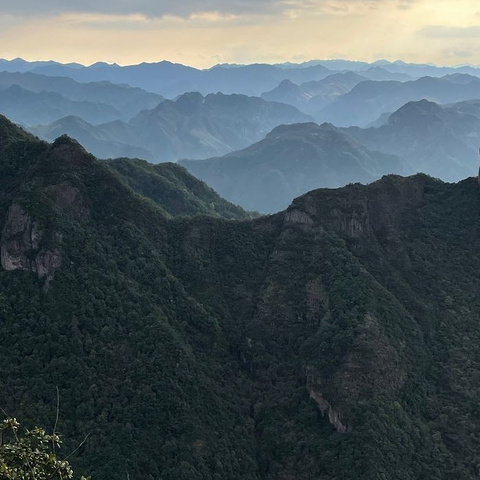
(30, 108)
(193, 126)
(439, 140)
(172, 79)
(369, 100)
(30, 98)
(290, 161)
(422, 136)
(312, 96)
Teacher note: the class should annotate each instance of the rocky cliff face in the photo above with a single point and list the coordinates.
(359, 212)
(21, 246)
(327, 409)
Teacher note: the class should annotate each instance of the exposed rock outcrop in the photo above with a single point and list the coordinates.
(20, 246)
(327, 409)
(70, 202)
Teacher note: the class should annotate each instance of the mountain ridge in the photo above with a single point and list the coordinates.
(191, 126)
(291, 160)
(336, 340)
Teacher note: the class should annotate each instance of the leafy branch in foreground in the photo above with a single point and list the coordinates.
(31, 456)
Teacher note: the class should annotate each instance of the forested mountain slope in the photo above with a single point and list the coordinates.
(290, 161)
(174, 189)
(336, 340)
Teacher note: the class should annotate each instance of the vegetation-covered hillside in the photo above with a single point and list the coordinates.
(174, 189)
(335, 340)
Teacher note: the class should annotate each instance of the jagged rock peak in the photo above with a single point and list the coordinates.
(66, 140)
(68, 149)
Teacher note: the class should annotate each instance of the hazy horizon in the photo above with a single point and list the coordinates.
(209, 32)
(287, 61)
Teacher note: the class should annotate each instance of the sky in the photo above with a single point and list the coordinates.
(202, 33)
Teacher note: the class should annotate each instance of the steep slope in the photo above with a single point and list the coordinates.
(368, 100)
(290, 161)
(112, 324)
(30, 108)
(192, 126)
(440, 141)
(174, 189)
(127, 100)
(336, 340)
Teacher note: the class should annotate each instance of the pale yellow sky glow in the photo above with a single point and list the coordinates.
(440, 31)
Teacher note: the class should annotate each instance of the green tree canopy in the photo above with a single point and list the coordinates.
(31, 456)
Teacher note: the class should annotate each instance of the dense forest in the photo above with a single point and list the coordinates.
(190, 340)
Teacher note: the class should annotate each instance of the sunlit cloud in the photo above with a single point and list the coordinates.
(205, 32)
(439, 31)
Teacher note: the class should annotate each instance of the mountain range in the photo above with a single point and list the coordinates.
(192, 126)
(30, 108)
(172, 79)
(369, 100)
(290, 161)
(337, 339)
(421, 136)
(311, 97)
(439, 140)
(33, 99)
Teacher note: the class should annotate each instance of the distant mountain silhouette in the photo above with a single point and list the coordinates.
(172, 79)
(127, 100)
(150, 76)
(378, 73)
(290, 161)
(368, 100)
(193, 126)
(107, 140)
(310, 97)
(440, 141)
(30, 108)
(21, 65)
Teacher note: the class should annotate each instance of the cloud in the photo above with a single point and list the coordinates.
(185, 8)
(150, 8)
(442, 32)
(458, 53)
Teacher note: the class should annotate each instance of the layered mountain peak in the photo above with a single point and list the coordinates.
(67, 149)
(189, 102)
(413, 112)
